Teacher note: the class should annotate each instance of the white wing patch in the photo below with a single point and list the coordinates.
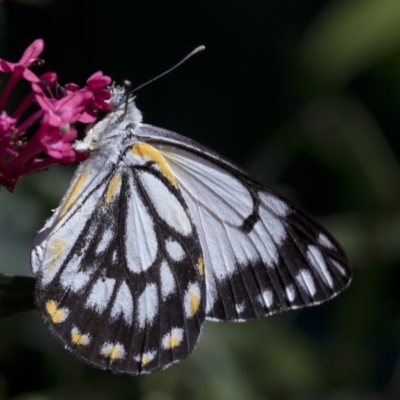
(290, 293)
(174, 250)
(148, 305)
(211, 290)
(192, 300)
(72, 278)
(306, 281)
(267, 298)
(338, 267)
(167, 280)
(219, 250)
(105, 240)
(274, 226)
(263, 247)
(220, 192)
(165, 203)
(274, 204)
(324, 241)
(261, 244)
(141, 240)
(114, 256)
(37, 257)
(239, 308)
(316, 259)
(100, 294)
(244, 248)
(123, 304)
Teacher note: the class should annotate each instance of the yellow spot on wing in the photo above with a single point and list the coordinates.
(145, 359)
(200, 266)
(74, 193)
(112, 188)
(194, 303)
(57, 315)
(56, 248)
(78, 338)
(173, 341)
(113, 352)
(145, 150)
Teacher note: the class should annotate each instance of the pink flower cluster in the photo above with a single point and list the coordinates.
(39, 132)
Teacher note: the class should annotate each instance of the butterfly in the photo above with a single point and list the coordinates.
(158, 234)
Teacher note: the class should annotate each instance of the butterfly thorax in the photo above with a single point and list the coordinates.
(108, 137)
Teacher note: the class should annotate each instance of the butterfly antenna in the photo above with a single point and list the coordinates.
(127, 85)
(195, 51)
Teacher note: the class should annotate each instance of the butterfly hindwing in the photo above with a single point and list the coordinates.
(262, 253)
(120, 279)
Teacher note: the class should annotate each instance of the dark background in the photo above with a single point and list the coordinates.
(304, 94)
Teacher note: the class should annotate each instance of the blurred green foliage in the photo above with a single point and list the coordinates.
(333, 145)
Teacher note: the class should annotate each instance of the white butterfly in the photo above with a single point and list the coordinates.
(157, 234)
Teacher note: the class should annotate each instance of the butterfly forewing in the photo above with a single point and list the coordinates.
(262, 253)
(123, 285)
(156, 234)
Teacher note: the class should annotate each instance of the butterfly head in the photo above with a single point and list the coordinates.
(111, 132)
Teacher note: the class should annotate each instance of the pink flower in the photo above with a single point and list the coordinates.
(97, 96)
(48, 78)
(7, 123)
(57, 113)
(40, 131)
(7, 126)
(96, 85)
(30, 55)
(57, 143)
